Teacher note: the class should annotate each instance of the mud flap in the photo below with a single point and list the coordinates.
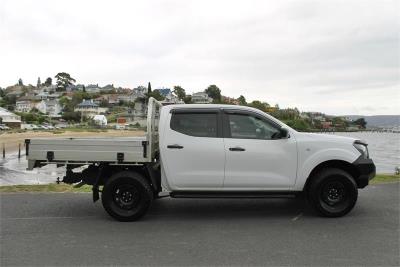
(95, 188)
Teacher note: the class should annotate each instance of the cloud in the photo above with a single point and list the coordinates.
(295, 53)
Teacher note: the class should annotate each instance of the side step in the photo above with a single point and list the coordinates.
(233, 194)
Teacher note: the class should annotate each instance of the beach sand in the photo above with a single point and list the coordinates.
(12, 140)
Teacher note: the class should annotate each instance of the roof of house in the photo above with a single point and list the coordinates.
(87, 103)
(200, 94)
(99, 117)
(4, 111)
(9, 116)
(164, 91)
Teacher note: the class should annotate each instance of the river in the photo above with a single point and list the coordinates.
(384, 149)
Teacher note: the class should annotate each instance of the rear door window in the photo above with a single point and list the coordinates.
(195, 124)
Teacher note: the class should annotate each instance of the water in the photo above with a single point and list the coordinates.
(384, 149)
(13, 171)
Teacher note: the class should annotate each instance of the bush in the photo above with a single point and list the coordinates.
(72, 116)
(299, 124)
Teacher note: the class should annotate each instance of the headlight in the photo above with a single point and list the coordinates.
(362, 148)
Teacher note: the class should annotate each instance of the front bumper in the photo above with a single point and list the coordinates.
(366, 171)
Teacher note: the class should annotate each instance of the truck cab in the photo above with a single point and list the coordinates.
(216, 151)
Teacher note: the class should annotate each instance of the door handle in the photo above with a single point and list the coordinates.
(175, 146)
(236, 149)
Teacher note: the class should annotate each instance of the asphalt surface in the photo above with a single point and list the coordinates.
(68, 229)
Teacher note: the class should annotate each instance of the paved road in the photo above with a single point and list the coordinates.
(67, 229)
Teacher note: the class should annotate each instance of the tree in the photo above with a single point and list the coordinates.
(20, 82)
(39, 83)
(299, 124)
(149, 93)
(242, 100)
(156, 94)
(339, 122)
(72, 116)
(63, 81)
(48, 82)
(361, 122)
(214, 92)
(10, 99)
(64, 101)
(188, 99)
(179, 92)
(259, 105)
(69, 105)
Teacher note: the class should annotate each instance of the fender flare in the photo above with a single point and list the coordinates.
(319, 157)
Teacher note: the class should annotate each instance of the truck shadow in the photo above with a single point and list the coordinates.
(206, 209)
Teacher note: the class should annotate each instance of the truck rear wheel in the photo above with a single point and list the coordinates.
(127, 196)
(333, 192)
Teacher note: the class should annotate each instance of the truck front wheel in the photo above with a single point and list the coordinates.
(333, 192)
(127, 196)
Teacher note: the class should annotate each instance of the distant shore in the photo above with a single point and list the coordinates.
(11, 140)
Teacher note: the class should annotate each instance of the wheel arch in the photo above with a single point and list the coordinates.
(148, 171)
(338, 164)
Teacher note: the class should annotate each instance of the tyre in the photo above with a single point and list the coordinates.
(333, 192)
(127, 196)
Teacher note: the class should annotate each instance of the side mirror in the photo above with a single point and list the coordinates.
(283, 133)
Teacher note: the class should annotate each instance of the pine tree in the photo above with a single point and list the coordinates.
(39, 83)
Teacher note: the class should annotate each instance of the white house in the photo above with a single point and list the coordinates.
(139, 92)
(126, 97)
(43, 95)
(24, 106)
(10, 119)
(100, 120)
(171, 99)
(201, 98)
(93, 88)
(50, 107)
(89, 108)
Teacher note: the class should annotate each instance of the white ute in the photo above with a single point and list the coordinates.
(211, 151)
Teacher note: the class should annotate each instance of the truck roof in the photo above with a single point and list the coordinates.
(218, 106)
(210, 106)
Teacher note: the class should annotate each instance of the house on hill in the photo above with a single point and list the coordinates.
(89, 109)
(93, 88)
(201, 98)
(100, 120)
(165, 92)
(50, 107)
(24, 105)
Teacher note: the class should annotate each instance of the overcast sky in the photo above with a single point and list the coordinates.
(338, 57)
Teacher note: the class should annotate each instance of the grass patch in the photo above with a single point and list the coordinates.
(94, 130)
(385, 178)
(44, 188)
